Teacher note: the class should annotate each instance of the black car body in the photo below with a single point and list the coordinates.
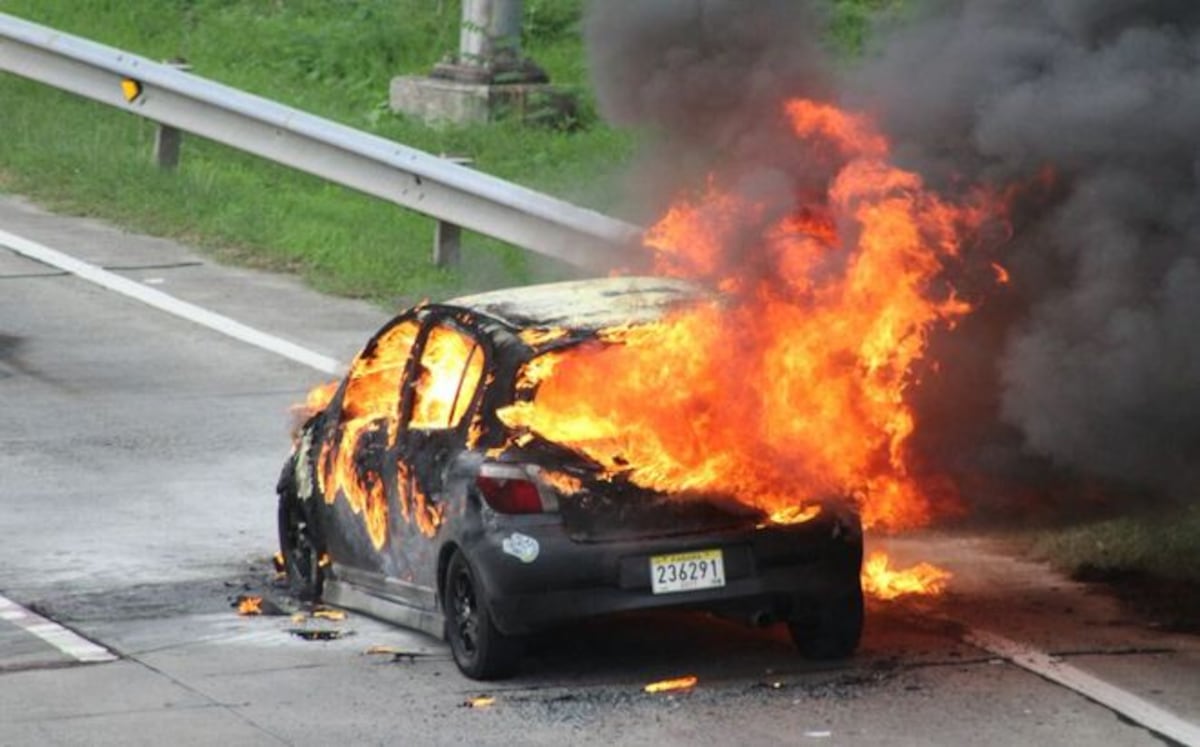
(438, 517)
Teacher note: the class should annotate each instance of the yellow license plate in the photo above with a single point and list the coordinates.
(687, 571)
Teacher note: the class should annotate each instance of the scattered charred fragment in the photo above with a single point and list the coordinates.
(408, 495)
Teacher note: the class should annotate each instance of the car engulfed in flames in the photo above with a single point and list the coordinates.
(715, 436)
(416, 491)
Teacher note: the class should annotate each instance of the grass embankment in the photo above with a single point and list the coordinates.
(334, 59)
(1151, 560)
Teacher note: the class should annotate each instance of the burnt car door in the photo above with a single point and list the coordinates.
(440, 398)
(352, 464)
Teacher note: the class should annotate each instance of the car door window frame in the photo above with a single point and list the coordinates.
(429, 321)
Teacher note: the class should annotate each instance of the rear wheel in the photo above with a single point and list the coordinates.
(298, 543)
(480, 650)
(831, 628)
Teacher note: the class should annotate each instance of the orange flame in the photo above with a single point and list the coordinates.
(886, 583)
(369, 420)
(249, 605)
(1002, 276)
(318, 397)
(369, 406)
(678, 683)
(442, 396)
(794, 514)
(562, 482)
(538, 336)
(792, 388)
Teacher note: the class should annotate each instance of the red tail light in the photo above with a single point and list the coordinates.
(510, 495)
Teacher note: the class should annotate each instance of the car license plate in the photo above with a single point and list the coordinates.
(687, 571)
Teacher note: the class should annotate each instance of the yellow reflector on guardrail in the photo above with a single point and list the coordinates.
(131, 88)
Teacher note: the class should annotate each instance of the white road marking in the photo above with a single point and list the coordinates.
(1127, 704)
(66, 641)
(168, 303)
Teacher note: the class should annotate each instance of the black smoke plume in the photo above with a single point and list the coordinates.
(1094, 356)
(1085, 371)
(703, 79)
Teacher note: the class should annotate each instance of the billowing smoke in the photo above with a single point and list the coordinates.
(1096, 356)
(704, 79)
(1088, 366)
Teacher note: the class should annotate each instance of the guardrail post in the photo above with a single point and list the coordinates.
(447, 236)
(166, 146)
(447, 241)
(167, 139)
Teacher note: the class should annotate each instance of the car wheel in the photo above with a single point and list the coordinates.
(300, 547)
(480, 650)
(830, 629)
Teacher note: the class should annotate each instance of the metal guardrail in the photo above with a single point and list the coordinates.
(368, 163)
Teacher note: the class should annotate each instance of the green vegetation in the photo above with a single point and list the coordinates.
(1151, 561)
(852, 21)
(1165, 545)
(334, 58)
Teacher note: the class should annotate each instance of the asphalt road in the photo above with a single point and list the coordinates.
(138, 454)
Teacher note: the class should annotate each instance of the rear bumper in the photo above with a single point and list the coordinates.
(774, 570)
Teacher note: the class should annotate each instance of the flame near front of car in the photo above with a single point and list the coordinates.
(792, 387)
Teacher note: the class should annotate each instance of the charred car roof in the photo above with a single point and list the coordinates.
(583, 304)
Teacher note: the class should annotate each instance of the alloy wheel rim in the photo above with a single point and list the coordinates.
(465, 614)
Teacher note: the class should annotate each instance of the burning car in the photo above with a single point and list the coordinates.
(421, 491)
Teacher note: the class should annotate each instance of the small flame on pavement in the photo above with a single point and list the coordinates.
(678, 683)
(249, 605)
(886, 583)
(325, 613)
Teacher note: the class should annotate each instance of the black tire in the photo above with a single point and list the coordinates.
(829, 628)
(480, 650)
(298, 543)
